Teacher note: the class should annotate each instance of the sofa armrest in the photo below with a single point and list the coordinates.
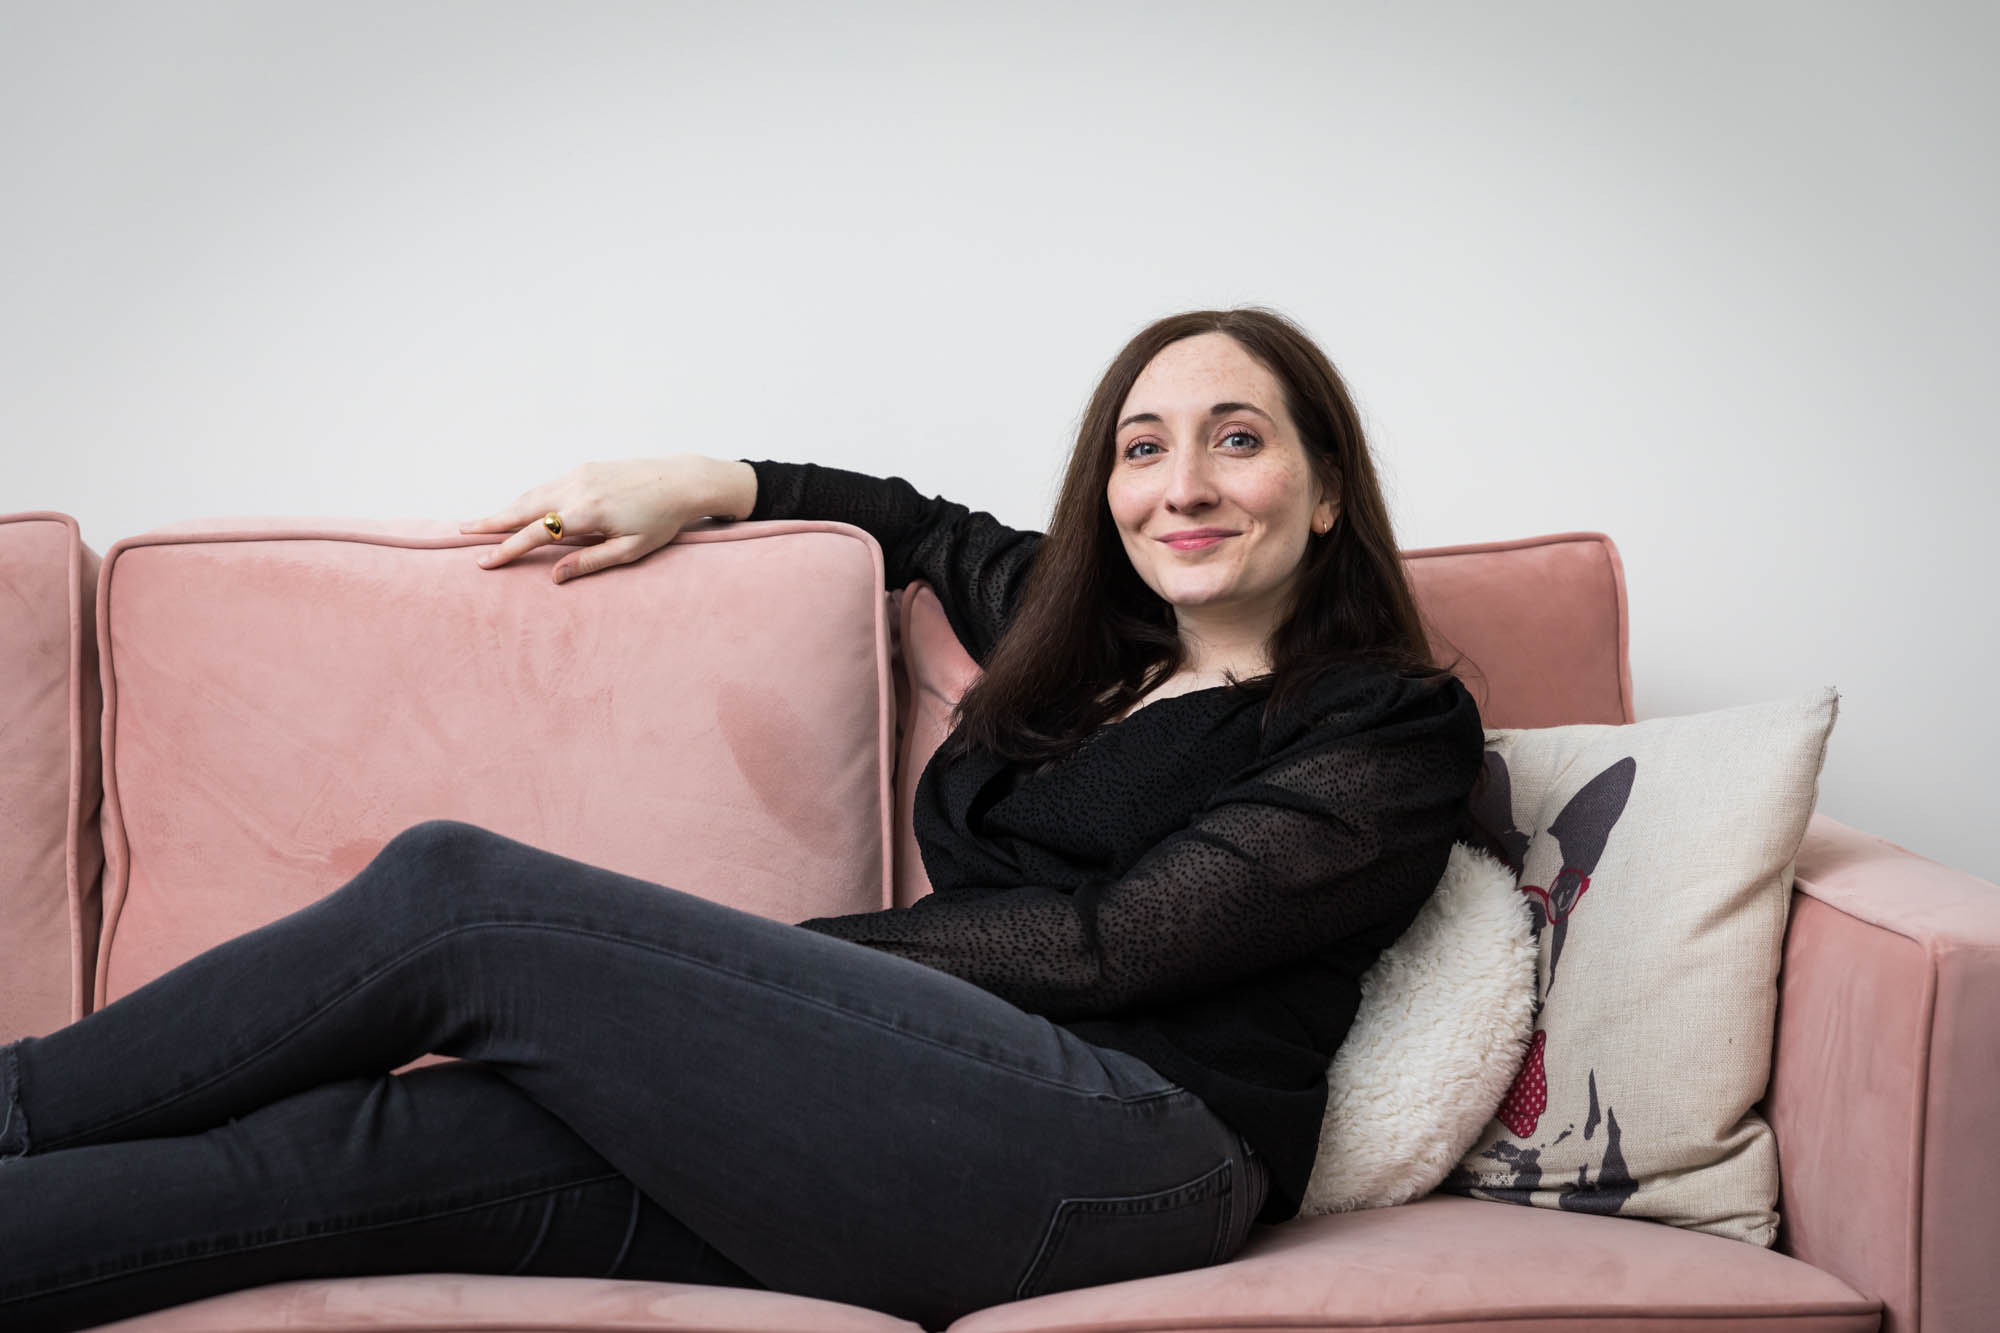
(51, 859)
(1885, 1082)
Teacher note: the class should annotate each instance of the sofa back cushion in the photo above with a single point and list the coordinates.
(936, 669)
(49, 704)
(284, 696)
(1540, 622)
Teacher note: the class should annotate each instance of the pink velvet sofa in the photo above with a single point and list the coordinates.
(219, 721)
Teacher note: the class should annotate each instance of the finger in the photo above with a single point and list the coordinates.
(517, 543)
(504, 521)
(615, 551)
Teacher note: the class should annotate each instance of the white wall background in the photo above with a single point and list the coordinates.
(1718, 279)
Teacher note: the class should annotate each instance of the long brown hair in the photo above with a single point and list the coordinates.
(1089, 638)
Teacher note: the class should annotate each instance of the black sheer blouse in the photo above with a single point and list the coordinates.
(1186, 886)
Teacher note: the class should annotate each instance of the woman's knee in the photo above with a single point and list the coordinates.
(447, 871)
(445, 841)
(437, 870)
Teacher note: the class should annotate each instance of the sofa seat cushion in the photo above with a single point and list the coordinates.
(436, 1302)
(1468, 1265)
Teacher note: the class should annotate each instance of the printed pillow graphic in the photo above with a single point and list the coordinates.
(1657, 860)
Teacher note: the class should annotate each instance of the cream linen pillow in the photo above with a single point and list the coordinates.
(1658, 859)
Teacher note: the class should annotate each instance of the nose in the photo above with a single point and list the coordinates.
(1190, 481)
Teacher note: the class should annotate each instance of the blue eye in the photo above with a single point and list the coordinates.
(1126, 453)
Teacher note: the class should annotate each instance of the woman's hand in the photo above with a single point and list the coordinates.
(636, 504)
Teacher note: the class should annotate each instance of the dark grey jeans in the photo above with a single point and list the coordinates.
(651, 1085)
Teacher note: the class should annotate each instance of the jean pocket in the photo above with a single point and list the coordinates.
(1094, 1241)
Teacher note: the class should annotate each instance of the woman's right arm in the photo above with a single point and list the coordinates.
(975, 563)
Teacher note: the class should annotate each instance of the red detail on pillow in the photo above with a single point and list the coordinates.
(1521, 1109)
(1563, 893)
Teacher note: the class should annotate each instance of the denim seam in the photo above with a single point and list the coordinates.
(592, 933)
(11, 1078)
(275, 1042)
(541, 1234)
(850, 1013)
(1071, 1207)
(131, 1269)
(631, 1230)
(873, 1021)
(1225, 1216)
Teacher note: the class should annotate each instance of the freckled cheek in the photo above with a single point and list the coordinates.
(1128, 515)
(1270, 496)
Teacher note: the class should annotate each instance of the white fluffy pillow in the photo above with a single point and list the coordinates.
(1443, 1027)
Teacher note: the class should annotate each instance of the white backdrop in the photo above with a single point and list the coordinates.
(1717, 279)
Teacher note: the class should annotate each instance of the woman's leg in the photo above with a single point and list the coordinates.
(448, 1168)
(838, 1121)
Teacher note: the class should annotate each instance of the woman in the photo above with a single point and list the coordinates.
(1208, 774)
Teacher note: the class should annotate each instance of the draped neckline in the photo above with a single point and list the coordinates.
(1106, 732)
(1151, 704)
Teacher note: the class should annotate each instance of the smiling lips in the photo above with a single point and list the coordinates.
(1196, 539)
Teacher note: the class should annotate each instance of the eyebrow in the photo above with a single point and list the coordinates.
(1219, 409)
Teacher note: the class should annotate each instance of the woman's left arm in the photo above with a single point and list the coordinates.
(1348, 826)
(976, 564)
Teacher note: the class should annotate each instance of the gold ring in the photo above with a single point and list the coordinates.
(553, 522)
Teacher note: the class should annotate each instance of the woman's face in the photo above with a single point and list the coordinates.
(1204, 442)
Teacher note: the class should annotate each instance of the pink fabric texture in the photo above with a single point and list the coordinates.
(1885, 1087)
(1439, 1263)
(1442, 1262)
(441, 1301)
(935, 670)
(50, 856)
(1542, 621)
(282, 700)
